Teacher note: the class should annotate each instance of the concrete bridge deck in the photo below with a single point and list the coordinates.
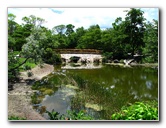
(83, 55)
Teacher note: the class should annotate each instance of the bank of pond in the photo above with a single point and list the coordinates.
(110, 92)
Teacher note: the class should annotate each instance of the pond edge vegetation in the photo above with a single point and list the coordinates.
(31, 44)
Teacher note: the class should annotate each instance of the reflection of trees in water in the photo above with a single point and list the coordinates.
(109, 87)
(115, 87)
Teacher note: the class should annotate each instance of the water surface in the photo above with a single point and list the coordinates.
(101, 91)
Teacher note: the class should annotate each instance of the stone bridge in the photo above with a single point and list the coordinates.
(80, 55)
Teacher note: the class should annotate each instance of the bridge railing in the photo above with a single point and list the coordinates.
(78, 51)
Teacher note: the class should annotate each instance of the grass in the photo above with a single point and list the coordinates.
(28, 65)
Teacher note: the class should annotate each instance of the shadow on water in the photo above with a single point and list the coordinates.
(100, 91)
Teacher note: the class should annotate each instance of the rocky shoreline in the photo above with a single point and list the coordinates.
(19, 99)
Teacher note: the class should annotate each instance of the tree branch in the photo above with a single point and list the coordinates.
(19, 65)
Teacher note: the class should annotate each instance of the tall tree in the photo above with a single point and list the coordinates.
(151, 42)
(33, 20)
(12, 26)
(135, 28)
(32, 49)
(59, 29)
(70, 40)
(119, 39)
(92, 38)
(79, 33)
(69, 29)
(11, 23)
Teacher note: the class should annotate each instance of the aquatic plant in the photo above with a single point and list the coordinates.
(46, 91)
(34, 99)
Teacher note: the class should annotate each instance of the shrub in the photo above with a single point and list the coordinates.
(71, 115)
(51, 57)
(107, 56)
(53, 115)
(29, 74)
(34, 99)
(138, 111)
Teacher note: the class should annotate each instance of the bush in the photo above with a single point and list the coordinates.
(138, 111)
(34, 99)
(51, 57)
(29, 74)
(107, 56)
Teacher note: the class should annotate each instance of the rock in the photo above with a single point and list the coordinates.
(116, 61)
(71, 86)
(94, 106)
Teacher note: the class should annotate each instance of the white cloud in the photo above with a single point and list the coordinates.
(151, 13)
(79, 17)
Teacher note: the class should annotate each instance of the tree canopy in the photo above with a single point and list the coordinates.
(133, 35)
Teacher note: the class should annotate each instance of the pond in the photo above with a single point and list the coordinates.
(99, 91)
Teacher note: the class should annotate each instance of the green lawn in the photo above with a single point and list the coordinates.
(28, 65)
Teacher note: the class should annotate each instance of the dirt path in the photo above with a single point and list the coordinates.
(19, 99)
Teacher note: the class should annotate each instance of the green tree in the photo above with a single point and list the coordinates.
(70, 34)
(12, 25)
(92, 38)
(59, 29)
(59, 36)
(31, 49)
(151, 42)
(134, 28)
(119, 39)
(33, 20)
(72, 40)
(79, 33)
(19, 36)
(69, 29)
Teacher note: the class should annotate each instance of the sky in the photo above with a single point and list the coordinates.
(79, 17)
(149, 13)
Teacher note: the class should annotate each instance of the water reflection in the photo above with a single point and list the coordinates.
(108, 88)
(149, 84)
(112, 86)
(81, 66)
(60, 101)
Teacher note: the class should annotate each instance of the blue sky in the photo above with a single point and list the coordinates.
(79, 17)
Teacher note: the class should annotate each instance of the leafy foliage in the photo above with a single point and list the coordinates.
(71, 115)
(138, 111)
(151, 42)
(16, 118)
(51, 57)
(13, 61)
(34, 99)
(33, 41)
(54, 115)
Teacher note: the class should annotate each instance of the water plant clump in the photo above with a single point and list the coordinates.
(46, 91)
(35, 99)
